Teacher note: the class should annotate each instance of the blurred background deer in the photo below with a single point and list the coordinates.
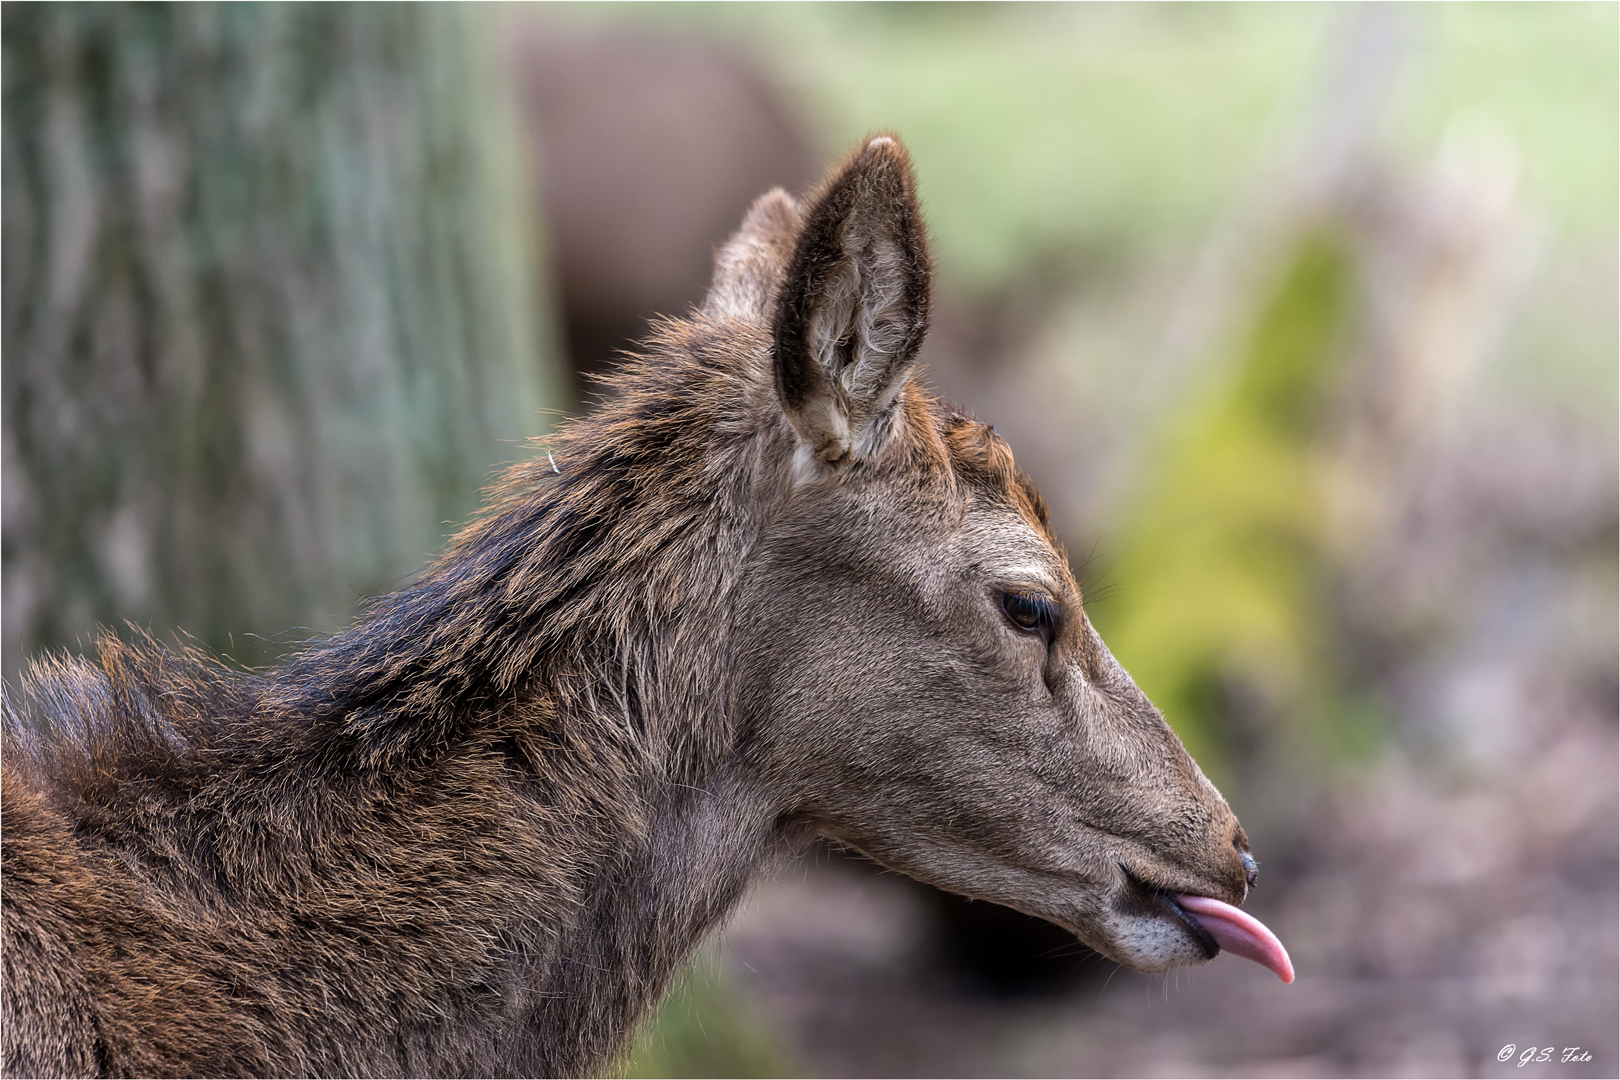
(1304, 320)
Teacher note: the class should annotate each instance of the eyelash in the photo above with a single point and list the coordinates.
(1030, 611)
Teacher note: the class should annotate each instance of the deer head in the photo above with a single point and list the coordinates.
(915, 672)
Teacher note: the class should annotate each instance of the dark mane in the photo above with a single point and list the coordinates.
(578, 558)
(583, 557)
(141, 711)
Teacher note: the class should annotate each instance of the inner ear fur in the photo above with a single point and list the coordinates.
(853, 305)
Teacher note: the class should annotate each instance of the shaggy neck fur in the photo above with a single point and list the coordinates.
(478, 831)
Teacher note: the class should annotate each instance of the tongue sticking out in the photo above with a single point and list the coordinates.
(1240, 933)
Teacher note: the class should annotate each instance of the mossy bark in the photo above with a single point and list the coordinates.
(270, 317)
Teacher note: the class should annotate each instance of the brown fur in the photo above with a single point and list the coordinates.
(760, 598)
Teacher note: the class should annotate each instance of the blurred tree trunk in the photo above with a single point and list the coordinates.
(269, 311)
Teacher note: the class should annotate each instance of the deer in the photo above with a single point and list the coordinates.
(771, 590)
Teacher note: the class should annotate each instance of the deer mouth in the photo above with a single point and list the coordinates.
(1214, 926)
(1205, 939)
(1217, 925)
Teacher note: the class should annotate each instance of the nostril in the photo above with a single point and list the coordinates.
(1251, 868)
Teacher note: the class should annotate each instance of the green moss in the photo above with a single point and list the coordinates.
(1219, 584)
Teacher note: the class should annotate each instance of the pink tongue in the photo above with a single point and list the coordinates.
(1241, 934)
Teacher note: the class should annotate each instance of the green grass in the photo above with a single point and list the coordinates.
(704, 1029)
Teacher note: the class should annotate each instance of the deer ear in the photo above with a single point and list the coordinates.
(748, 269)
(853, 305)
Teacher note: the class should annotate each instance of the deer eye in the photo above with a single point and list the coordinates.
(1030, 611)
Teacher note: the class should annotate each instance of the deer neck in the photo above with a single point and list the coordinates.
(645, 913)
(581, 630)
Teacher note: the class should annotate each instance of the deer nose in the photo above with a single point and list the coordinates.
(1251, 868)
